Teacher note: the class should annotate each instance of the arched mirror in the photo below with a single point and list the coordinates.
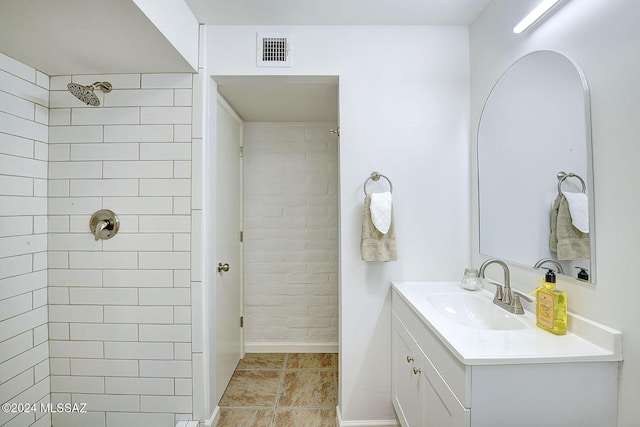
(535, 124)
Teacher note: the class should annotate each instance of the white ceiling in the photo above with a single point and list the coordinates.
(85, 37)
(337, 12)
(281, 98)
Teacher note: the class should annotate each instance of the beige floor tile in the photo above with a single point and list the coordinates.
(252, 388)
(308, 388)
(300, 417)
(282, 390)
(245, 417)
(262, 361)
(310, 361)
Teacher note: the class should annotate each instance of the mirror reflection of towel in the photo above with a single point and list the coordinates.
(374, 245)
(566, 240)
(579, 210)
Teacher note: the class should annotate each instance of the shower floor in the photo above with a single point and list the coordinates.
(282, 390)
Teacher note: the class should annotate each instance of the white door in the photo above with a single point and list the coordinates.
(228, 287)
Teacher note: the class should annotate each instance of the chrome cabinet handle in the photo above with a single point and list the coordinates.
(223, 267)
(416, 371)
(409, 359)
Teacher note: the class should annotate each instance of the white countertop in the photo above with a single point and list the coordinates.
(586, 341)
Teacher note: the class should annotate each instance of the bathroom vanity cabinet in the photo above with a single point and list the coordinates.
(434, 384)
(421, 396)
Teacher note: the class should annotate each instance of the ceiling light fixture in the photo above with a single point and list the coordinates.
(537, 13)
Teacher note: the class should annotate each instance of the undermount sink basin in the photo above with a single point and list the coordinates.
(474, 311)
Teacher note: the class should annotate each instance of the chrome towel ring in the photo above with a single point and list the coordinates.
(563, 175)
(375, 176)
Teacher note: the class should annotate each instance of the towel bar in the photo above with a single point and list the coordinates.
(563, 175)
(375, 176)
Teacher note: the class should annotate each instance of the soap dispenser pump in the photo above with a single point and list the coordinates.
(550, 276)
(551, 306)
(583, 274)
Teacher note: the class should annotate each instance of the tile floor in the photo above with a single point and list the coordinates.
(282, 390)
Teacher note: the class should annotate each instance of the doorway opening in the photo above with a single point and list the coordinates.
(289, 204)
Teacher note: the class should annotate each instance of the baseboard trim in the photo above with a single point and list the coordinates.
(286, 347)
(364, 423)
(214, 418)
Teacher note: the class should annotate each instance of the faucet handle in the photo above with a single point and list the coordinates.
(520, 294)
(516, 304)
(499, 289)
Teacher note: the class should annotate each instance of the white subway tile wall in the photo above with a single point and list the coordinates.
(119, 309)
(24, 349)
(291, 233)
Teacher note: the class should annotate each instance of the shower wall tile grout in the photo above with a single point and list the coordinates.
(24, 350)
(115, 324)
(120, 309)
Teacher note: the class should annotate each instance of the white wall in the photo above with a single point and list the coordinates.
(120, 310)
(24, 350)
(404, 111)
(176, 22)
(290, 179)
(603, 38)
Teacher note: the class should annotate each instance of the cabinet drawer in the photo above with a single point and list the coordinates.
(454, 373)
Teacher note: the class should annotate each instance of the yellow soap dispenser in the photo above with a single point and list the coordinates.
(551, 306)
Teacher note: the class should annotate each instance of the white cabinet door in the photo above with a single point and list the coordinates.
(421, 397)
(439, 404)
(405, 385)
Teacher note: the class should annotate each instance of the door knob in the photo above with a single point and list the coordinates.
(223, 267)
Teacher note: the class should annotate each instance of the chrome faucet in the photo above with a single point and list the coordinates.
(559, 268)
(505, 297)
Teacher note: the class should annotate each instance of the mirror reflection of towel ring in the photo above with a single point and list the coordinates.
(563, 175)
(375, 176)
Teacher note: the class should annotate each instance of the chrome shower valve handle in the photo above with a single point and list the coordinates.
(104, 224)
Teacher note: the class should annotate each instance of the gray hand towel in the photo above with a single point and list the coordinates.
(565, 239)
(375, 246)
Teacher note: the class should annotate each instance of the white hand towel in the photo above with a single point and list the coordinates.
(381, 211)
(579, 210)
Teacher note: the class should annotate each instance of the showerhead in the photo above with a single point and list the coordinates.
(86, 94)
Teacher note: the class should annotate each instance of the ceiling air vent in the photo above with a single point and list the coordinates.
(274, 50)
